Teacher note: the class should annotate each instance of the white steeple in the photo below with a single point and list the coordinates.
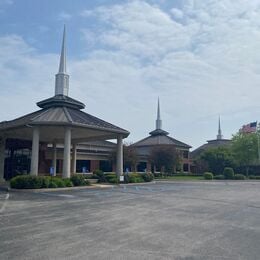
(219, 136)
(158, 122)
(62, 78)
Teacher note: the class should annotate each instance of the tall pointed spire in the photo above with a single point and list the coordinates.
(158, 122)
(219, 136)
(62, 78)
(62, 67)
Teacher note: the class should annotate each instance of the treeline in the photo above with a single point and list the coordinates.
(242, 155)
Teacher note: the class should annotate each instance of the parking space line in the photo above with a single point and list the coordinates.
(5, 202)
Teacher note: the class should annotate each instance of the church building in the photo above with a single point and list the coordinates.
(218, 142)
(157, 138)
(60, 136)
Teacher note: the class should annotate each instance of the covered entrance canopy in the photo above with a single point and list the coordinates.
(60, 120)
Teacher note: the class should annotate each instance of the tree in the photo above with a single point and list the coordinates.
(164, 157)
(245, 149)
(218, 158)
(130, 157)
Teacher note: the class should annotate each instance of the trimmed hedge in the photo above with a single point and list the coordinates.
(39, 182)
(147, 177)
(208, 176)
(239, 177)
(253, 177)
(219, 177)
(228, 173)
(79, 180)
(28, 182)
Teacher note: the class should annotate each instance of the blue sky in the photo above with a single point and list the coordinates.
(201, 57)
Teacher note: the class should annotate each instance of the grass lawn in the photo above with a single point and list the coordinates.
(181, 178)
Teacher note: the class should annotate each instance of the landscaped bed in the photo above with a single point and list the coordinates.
(40, 182)
(181, 178)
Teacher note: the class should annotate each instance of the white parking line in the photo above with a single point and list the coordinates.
(57, 195)
(4, 204)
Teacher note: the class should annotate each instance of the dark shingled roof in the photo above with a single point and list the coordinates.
(160, 140)
(209, 145)
(62, 115)
(158, 132)
(61, 100)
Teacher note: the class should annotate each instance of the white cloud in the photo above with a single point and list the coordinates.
(202, 59)
(64, 16)
(177, 13)
(26, 76)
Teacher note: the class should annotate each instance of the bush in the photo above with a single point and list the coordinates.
(79, 180)
(37, 182)
(60, 183)
(219, 177)
(52, 185)
(253, 177)
(147, 177)
(27, 182)
(111, 178)
(157, 174)
(114, 180)
(67, 183)
(100, 175)
(133, 179)
(228, 173)
(208, 176)
(239, 177)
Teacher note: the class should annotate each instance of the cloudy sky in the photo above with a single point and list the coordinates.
(201, 57)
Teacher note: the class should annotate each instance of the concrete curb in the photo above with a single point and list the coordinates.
(207, 181)
(93, 186)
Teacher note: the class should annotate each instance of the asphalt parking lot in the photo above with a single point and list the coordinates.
(184, 220)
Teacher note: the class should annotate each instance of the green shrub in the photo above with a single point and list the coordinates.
(239, 177)
(79, 180)
(208, 176)
(219, 177)
(45, 182)
(253, 177)
(114, 180)
(38, 182)
(110, 175)
(100, 175)
(59, 182)
(67, 183)
(52, 185)
(228, 173)
(147, 177)
(157, 174)
(133, 179)
(27, 182)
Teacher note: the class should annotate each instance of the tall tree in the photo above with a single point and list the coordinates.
(164, 157)
(218, 158)
(245, 149)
